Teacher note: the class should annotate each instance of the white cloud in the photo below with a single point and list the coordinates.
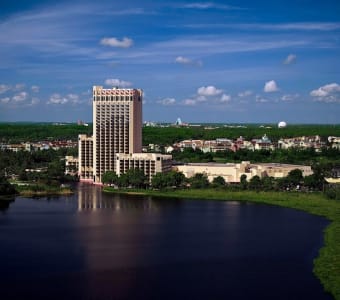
(245, 94)
(34, 101)
(167, 101)
(35, 88)
(57, 99)
(4, 88)
(327, 93)
(291, 58)
(189, 102)
(5, 100)
(187, 61)
(19, 87)
(209, 5)
(289, 97)
(225, 98)
(208, 91)
(114, 42)
(270, 86)
(183, 60)
(260, 99)
(117, 83)
(73, 98)
(22, 96)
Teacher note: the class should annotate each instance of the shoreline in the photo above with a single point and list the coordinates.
(326, 266)
(31, 193)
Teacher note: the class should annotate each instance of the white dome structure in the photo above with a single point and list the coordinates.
(282, 124)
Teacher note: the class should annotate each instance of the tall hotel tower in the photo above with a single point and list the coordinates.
(117, 127)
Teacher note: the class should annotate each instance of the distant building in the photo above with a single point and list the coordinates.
(263, 144)
(232, 172)
(334, 141)
(303, 142)
(71, 165)
(150, 163)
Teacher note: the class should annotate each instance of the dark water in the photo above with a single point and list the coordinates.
(97, 246)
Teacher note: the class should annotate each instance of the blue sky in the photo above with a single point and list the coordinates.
(220, 61)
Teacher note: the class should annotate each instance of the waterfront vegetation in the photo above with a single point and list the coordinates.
(34, 189)
(38, 166)
(5, 187)
(326, 265)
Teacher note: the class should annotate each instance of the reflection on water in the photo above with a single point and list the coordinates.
(5, 202)
(91, 198)
(93, 245)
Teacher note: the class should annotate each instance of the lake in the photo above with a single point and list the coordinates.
(101, 246)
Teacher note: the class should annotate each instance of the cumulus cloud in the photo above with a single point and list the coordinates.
(291, 58)
(5, 100)
(182, 60)
(34, 101)
(260, 99)
(187, 61)
(4, 88)
(19, 87)
(117, 82)
(270, 87)
(167, 101)
(225, 98)
(73, 98)
(59, 99)
(189, 102)
(114, 42)
(35, 88)
(208, 91)
(245, 94)
(22, 96)
(207, 94)
(327, 93)
(289, 97)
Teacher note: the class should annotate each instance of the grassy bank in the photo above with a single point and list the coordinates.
(327, 264)
(43, 190)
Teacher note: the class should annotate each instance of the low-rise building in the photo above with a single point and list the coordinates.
(71, 165)
(263, 144)
(334, 141)
(149, 163)
(232, 172)
(303, 142)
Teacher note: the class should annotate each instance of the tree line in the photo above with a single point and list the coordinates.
(308, 156)
(135, 178)
(23, 132)
(50, 162)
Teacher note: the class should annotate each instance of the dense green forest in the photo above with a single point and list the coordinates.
(32, 132)
(23, 132)
(50, 161)
(309, 156)
(169, 135)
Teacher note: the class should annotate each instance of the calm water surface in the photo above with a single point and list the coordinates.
(97, 246)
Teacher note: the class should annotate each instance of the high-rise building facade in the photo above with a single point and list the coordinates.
(117, 126)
